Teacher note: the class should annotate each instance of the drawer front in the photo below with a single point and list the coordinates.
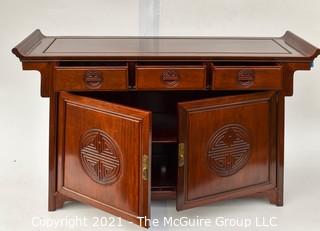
(170, 77)
(77, 79)
(246, 77)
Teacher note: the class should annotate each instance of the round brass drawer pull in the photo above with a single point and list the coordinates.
(93, 79)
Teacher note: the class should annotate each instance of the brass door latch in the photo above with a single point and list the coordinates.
(181, 154)
(145, 167)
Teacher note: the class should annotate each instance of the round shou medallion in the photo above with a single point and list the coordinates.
(100, 156)
(228, 149)
(170, 78)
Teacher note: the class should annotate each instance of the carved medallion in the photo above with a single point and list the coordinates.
(93, 79)
(246, 77)
(170, 78)
(228, 149)
(100, 156)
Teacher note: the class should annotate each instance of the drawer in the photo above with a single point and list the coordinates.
(91, 78)
(247, 77)
(170, 77)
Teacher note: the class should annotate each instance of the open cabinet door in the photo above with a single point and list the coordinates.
(226, 148)
(103, 155)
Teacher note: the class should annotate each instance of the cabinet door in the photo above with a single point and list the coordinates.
(227, 148)
(103, 155)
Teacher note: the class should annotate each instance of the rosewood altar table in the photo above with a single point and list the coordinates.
(195, 119)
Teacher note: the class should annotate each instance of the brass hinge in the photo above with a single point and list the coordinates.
(145, 167)
(181, 154)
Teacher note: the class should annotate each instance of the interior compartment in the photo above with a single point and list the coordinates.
(164, 127)
(163, 105)
(164, 169)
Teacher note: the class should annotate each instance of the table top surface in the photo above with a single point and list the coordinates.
(39, 47)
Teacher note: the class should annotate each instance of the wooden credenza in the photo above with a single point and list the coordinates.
(197, 120)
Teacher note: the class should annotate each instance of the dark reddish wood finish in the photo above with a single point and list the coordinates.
(247, 78)
(46, 48)
(224, 140)
(170, 77)
(242, 138)
(46, 73)
(117, 156)
(90, 78)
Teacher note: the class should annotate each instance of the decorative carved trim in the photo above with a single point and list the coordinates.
(24, 47)
(301, 45)
(290, 69)
(100, 156)
(45, 70)
(228, 149)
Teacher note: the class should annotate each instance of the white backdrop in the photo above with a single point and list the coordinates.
(24, 115)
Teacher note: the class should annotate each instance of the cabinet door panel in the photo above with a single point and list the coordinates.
(103, 149)
(227, 148)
